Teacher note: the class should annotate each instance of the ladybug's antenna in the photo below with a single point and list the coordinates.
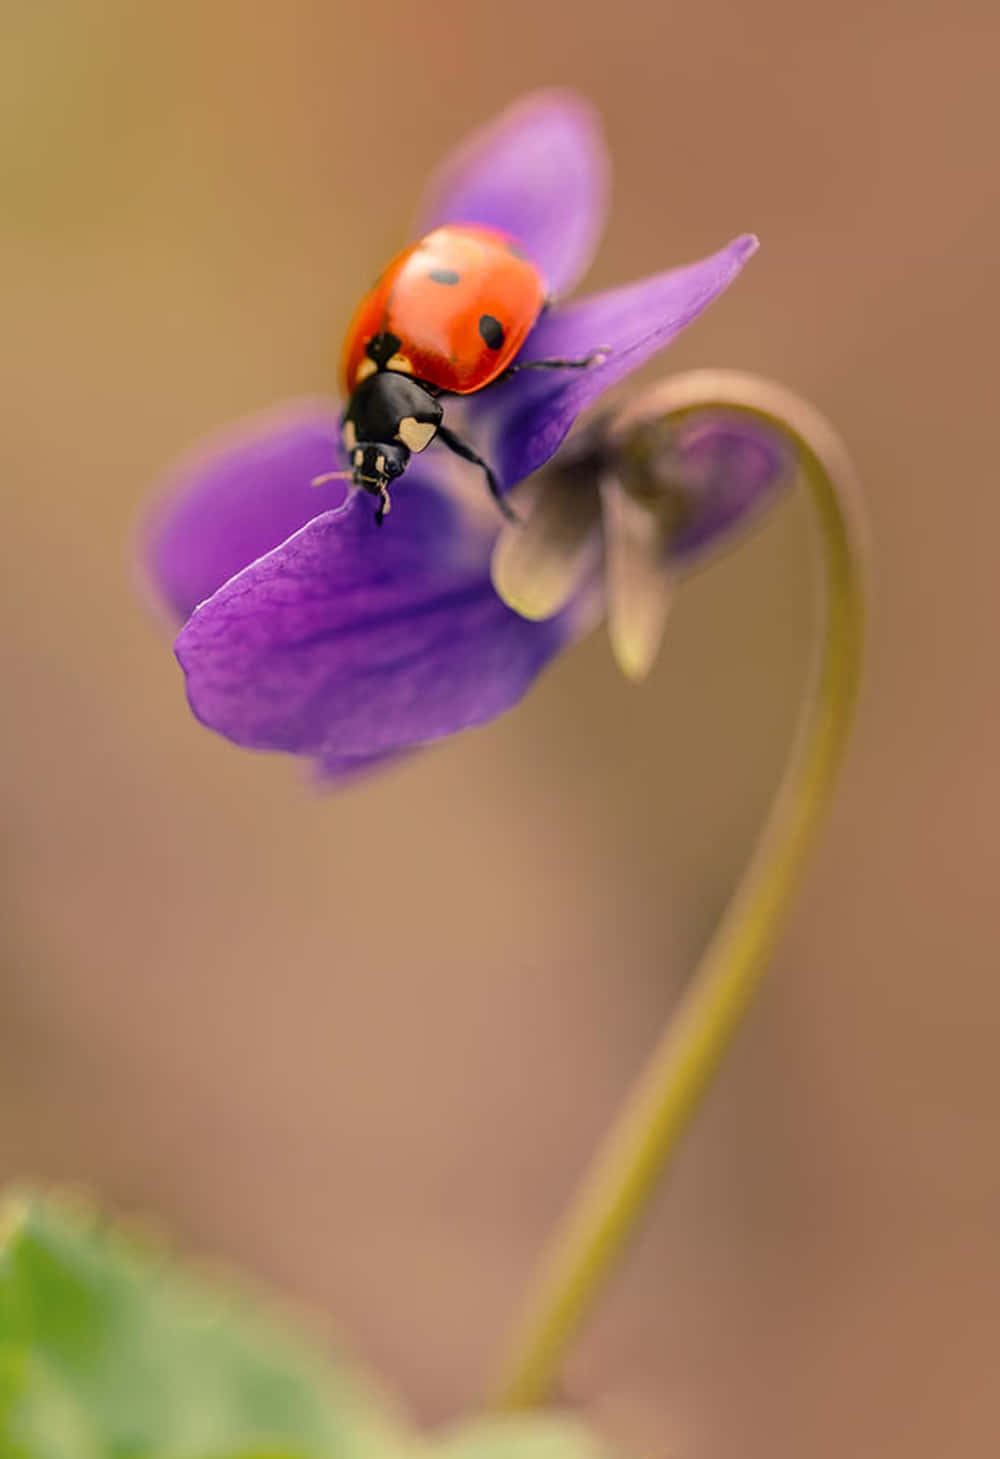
(384, 505)
(331, 476)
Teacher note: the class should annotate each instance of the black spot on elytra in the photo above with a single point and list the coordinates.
(382, 347)
(491, 330)
(444, 276)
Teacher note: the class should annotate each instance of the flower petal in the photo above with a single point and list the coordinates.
(519, 423)
(707, 471)
(352, 641)
(238, 495)
(730, 469)
(540, 172)
(639, 580)
(541, 561)
(340, 770)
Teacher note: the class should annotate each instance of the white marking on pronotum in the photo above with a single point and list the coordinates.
(416, 434)
(350, 435)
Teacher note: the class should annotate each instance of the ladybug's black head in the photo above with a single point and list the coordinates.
(389, 416)
(375, 462)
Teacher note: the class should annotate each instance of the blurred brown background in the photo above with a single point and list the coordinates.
(380, 1104)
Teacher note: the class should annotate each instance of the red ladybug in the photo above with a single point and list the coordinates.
(447, 317)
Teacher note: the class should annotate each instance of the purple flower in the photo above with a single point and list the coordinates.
(310, 630)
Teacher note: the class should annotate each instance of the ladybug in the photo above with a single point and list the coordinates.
(446, 317)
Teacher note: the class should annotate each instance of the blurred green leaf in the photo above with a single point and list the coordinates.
(108, 1350)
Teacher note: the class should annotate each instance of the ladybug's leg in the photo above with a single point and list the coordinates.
(384, 506)
(456, 444)
(596, 358)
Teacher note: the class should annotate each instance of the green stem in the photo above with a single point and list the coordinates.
(638, 1149)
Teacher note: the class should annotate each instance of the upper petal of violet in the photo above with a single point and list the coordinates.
(539, 171)
(350, 641)
(237, 496)
(518, 423)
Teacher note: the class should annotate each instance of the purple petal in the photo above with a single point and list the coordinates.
(723, 471)
(353, 641)
(518, 424)
(237, 496)
(540, 172)
(341, 770)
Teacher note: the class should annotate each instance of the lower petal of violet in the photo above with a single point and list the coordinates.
(339, 770)
(237, 496)
(519, 423)
(351, 641)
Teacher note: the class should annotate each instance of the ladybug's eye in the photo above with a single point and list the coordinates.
(416, 434)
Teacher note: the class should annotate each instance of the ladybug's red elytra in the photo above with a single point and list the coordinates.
(446, 317)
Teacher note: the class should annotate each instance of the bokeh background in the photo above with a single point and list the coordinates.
(376, 1093)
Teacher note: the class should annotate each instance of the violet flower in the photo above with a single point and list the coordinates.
(311, 631)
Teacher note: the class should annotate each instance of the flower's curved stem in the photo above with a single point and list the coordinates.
(648, 1131)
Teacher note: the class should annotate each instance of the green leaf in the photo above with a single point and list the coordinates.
(108, 1352)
